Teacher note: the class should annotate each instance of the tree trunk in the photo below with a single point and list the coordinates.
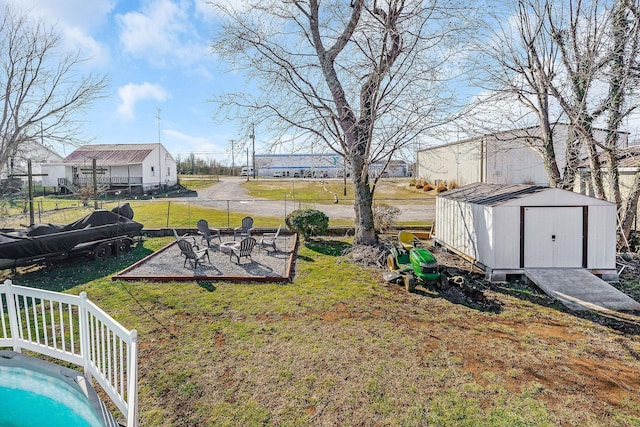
(365, 233)
(572, 157)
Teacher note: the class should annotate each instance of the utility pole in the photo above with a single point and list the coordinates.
(233, 162)
(247, 163)
(253, 147)
(159, 152)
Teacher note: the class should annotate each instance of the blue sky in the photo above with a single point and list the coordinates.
(156, 55)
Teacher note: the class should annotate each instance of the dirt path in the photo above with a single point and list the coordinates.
(230, 191)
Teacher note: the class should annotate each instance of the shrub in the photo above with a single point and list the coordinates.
(452, 185)
(384, 217)
(412, 182)
(308, 222)
(441, 187)
(427, 187)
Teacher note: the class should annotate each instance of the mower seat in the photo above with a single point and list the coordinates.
(406, 240)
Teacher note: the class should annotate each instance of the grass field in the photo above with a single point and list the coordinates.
(338, 346)
(318, 191)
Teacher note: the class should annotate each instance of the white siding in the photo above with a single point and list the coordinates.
(601, 237)
(455, 226)
(53, 171)
(506, 246)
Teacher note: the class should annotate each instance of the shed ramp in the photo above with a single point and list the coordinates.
(580, 290)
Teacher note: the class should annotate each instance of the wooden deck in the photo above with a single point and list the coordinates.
(580, 290)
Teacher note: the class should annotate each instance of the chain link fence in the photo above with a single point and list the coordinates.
(184, 213)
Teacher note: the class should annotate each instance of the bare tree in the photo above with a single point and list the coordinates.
(40, 90)
(361, 77)
(579, 30)
(582, 56)
(623, 75)
(525, 65)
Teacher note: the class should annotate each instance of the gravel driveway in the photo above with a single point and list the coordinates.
(229, 194)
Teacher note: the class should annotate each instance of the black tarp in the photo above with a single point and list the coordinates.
(43, 239)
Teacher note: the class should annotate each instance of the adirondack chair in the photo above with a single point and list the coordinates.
(206, 232)
(269, 240)
(192, 255)
(192, 239)
(243, 249)
(245, 229)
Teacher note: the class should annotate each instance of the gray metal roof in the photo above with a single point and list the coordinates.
(111, 154)
(627, 157)
(490, 194)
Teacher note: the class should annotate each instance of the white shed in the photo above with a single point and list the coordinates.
(507, 228)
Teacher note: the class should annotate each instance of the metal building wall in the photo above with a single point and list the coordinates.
(459, 162)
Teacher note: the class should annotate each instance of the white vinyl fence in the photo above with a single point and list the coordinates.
(73, 329)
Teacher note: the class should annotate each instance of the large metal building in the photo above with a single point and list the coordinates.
(507, 228)
(509, 157)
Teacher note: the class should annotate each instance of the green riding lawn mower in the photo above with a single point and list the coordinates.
(412, 264)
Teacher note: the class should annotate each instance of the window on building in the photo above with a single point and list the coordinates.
(168, 171)
(153, 171)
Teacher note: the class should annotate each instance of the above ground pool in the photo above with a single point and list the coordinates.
(35, 393)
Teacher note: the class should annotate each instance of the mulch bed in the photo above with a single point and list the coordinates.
(168, 264)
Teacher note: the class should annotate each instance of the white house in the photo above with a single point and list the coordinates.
(134, 167)
(39, 155)
(508, 157)
(507, 228)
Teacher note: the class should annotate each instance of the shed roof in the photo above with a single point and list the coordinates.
(111, 154)
(482, 193)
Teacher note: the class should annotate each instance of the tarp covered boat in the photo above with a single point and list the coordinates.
(43, 241)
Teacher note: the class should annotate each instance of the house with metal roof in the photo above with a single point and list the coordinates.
(506, 229)
(136, 168)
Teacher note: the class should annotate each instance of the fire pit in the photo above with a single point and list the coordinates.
(225, 247)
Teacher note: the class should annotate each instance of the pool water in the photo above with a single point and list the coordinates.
(32, 399)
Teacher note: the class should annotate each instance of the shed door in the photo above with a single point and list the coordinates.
(553, 237)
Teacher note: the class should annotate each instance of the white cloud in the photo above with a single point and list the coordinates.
(161, 32)
(74, 20)
(76, 13)
(75, 39)
(182, 145)
(192, 140)
(131, 94)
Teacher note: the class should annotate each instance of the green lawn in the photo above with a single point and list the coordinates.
(338, 346)
(390, 191)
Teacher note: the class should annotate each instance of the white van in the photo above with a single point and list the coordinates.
(246, 171)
